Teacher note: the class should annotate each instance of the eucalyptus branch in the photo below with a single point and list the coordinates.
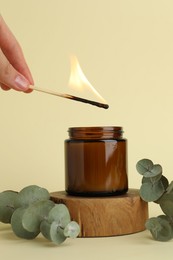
(155, 187)
(31, 211)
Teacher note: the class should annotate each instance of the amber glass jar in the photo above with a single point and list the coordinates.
(95, 161)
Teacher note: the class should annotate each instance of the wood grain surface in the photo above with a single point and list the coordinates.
(106, 216)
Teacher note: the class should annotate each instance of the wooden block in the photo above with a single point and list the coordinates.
(106, 216)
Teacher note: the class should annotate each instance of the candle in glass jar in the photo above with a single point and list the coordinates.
(96, 161)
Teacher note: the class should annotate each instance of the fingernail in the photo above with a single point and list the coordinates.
(21, 82)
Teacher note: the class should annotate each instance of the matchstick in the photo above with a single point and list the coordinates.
(51, 92)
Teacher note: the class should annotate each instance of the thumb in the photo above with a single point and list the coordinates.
(10, 77)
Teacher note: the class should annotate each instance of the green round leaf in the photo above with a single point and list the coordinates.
(144, 166)
(72, 230)
(165, 217)
(165, 182)
(160, 228)
(45, 229)
(152, 179)
(17, 227)
(170, 188)
(156, 170)
(166, 204)
(151, 192)
(31, 194)
(35, 213)
(60, 214)
(153, 224)
(56, 233)
(7, 205)
(52, 231)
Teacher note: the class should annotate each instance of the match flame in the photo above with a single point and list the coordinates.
(79, 82)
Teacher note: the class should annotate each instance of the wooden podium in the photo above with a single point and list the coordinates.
(106, 216)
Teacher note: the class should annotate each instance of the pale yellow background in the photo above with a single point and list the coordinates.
(125, 49)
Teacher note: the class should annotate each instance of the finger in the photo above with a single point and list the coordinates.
(13, 51)
(11, 77)
(4, 87)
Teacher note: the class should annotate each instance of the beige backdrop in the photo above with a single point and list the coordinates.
(125, 49)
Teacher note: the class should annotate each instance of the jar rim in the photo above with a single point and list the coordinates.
(107, 128)
(89, 132)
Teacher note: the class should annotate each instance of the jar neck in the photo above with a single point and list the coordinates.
(88, 133)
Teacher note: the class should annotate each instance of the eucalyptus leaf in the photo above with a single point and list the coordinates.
(166, 204)
(170, 188)
(35, 213)
(60, 214)
(31, 194)
(151, 192)
(146, 180)
(156, 170)
(165, 217)
(17, 227)
(165, 182)
(31, 211)
(72, 230)
(152, 179)
(7, 205)
(144, 166)
(160, 228)
(56, 233)
(155, 187)
(52, 231)
(153, 224)
(45, 229)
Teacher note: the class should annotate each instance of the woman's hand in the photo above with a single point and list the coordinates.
(14, 71)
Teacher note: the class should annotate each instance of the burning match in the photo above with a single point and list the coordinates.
(79, 82)
(91, 102)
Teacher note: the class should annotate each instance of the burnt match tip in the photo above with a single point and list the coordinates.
(101, 105)
(106, 106)
(91, 102)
